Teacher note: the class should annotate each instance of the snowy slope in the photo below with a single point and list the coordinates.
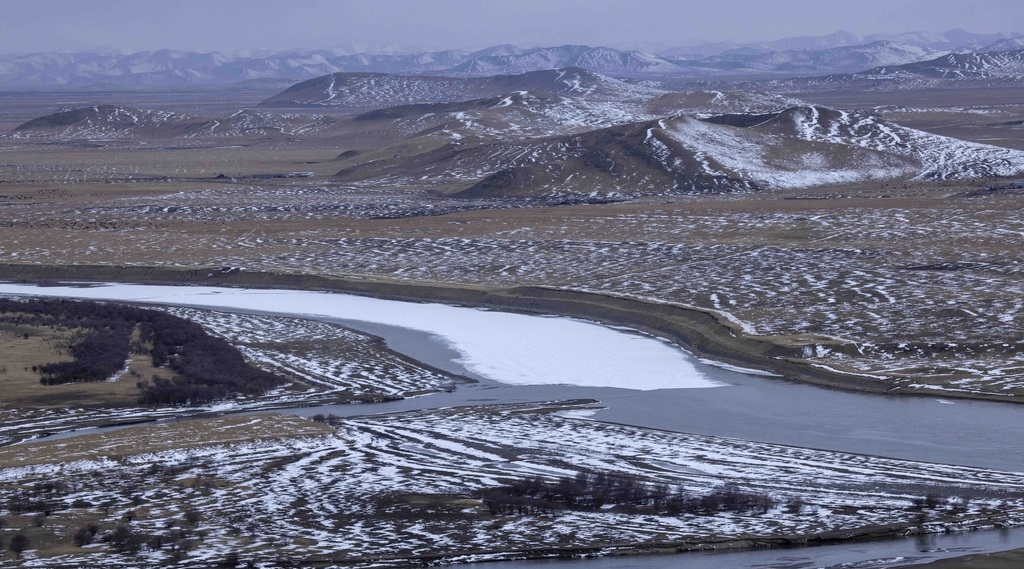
(802, 146)
(97, 122)
(826, 54)
(259, 123)
(972, 65)
(776, 161)
(708, 102)
(515, 115)
(1008, 44)
(114, 122)
(940, 157)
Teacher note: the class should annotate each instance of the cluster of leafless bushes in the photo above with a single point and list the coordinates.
(596, 490)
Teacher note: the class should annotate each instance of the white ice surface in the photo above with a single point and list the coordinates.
(504, 347)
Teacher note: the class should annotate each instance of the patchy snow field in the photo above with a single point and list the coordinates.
(508, 348)
(401, 486)
(328, 358)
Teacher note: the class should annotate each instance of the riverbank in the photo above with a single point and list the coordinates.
(1013, 559)
(706, 333)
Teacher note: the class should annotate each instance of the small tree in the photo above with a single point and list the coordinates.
(933, 500)
(124, 540)
(19, 543)
(795, 506)
(82, 537)
(193, 517)
(231, 561)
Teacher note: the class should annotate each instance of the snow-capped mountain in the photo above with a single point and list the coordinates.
(949, 41)
(600, 59)
(992, 69)
(955, 40)
(846, 58)
(525, 114)
(837, 52)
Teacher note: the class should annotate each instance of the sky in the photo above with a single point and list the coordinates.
(417, 25)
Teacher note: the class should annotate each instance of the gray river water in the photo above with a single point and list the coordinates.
(868, 555)
(766, 409)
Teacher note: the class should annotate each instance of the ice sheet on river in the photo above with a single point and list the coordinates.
(504, 347)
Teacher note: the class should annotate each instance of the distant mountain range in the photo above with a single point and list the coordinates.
(836, 53)
(993, 68)
(950, 41)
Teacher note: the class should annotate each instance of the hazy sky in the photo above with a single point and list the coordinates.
(407, 25)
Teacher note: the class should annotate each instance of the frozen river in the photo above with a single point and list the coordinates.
(645, 382)
(639, 380)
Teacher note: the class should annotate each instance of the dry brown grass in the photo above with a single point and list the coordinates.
(154, 438)
(20, 386)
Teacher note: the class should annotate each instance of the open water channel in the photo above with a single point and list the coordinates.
(745, 406)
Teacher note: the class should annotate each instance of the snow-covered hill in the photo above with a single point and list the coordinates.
(97, 122)
(525, 114)
(996, 64)
(802, 146)
(108, 122)
(939, 157)
(376, 90)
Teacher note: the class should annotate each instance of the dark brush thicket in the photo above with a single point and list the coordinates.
(207, 368)
(98, 356)
(594, 490)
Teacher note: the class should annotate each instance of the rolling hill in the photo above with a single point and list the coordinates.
(989, 65)
(107, 122)
(376, 90)
(802, 146)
